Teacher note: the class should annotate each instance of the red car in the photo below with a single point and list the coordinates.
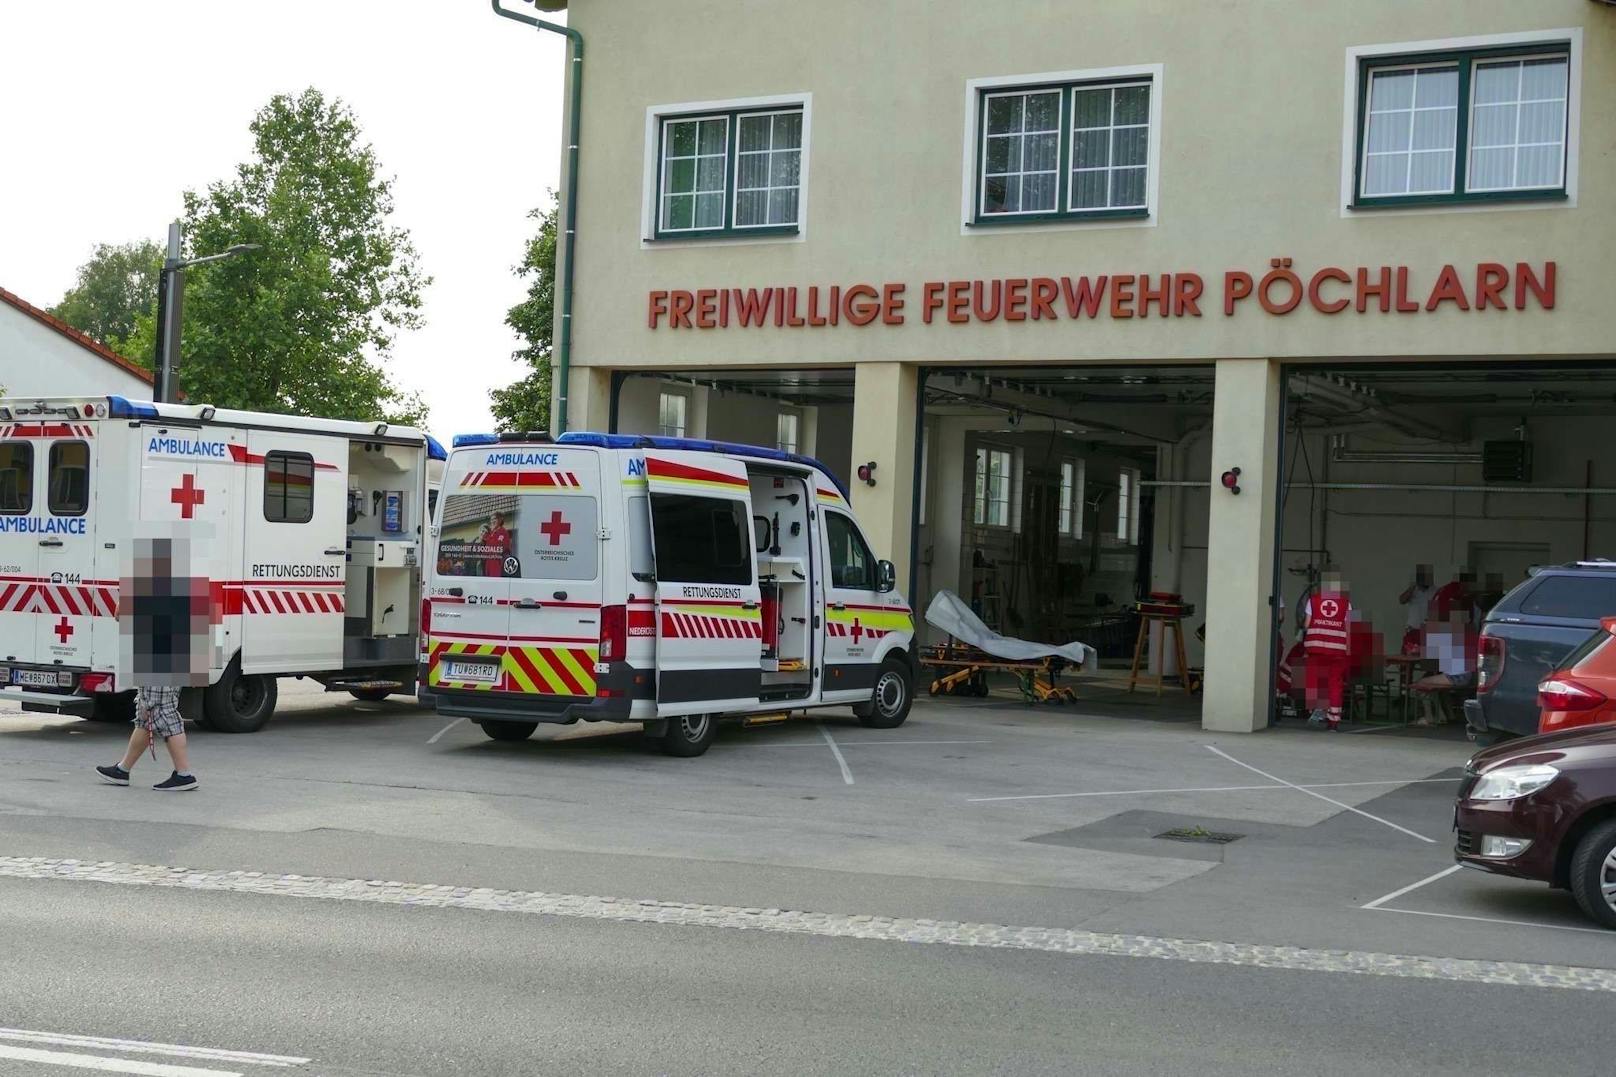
(1544, 808)
(1582, 691)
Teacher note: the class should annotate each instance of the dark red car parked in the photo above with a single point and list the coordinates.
(1545, 808)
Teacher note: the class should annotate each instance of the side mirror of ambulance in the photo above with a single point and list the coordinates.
(889, 577)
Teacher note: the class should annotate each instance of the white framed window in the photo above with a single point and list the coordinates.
(1480, 122)
(672, 409)
(1128, 505)
(1063, 147)
(1071, 498)
(786, 426)
(734, 170)
(993, 484)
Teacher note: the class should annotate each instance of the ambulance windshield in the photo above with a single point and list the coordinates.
(520, 536)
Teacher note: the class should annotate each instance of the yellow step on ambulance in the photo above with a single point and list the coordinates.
(667, 581)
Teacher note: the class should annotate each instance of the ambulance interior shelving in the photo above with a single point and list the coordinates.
(784, 565)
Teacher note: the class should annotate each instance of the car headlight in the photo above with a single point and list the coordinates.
(1511, 783)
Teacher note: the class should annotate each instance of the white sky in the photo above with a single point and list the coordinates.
(462, 107)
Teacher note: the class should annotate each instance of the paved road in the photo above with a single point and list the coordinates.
(582, 904)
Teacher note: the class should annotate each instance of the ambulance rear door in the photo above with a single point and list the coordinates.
(22, 503)
(556, 584)
(467, 586)
(69, 597)
(709, 627)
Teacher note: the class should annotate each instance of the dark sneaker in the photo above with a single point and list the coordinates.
(175, 782)
(113, 775)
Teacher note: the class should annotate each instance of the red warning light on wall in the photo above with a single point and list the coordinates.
(866, 473)
(1231, 480)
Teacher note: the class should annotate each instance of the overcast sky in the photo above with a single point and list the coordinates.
(462, 107)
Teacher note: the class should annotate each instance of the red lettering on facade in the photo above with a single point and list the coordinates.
(958, 301)
(1526, 280)
(1401, 302)
(861, 304)
(706, 308)
(679, 304)
(1187, 288)
(892, 304)
(1491, 280)
(931, 299)
(1381, 290)
(1122, 295)
(1237, 284)
(980, 292)
(1149, 295)
(1314, 290)
(1044, 291)
(1448, 289)
(1015, 299)
(1085, 297)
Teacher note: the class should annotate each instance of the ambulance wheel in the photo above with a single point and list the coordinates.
(508, 731)
(688, 736)
(370, 695)
(239, 702)
(889, 703)
(113, 707)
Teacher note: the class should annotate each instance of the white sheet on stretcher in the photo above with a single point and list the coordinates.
(949, 613)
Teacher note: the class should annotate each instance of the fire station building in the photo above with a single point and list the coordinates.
(1113, 299)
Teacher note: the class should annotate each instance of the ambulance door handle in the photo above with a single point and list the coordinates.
(50, 542)
(335, 551)
(527, 604)
(838, 606)
(560, 596)
(457, 592)
(749, 605)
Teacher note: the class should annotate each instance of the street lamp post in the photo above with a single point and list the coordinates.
(170, 304)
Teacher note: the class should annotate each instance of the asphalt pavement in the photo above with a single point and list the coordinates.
(372, 889)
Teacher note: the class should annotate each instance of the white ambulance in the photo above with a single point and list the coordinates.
(307, 531)
(666, 581)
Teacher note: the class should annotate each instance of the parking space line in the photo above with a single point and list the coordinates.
(1329, 800)
(1492, 920)
(864, 743)
(1208, 789)
(445, 729)
(1411, 887)
(847, 775)
(108, 1065)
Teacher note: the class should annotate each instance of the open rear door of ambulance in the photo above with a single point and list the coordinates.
(709, 627)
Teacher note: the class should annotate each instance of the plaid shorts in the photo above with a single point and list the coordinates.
(158, 709)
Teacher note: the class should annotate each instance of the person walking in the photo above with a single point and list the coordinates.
(1326, 642)
(157, 714)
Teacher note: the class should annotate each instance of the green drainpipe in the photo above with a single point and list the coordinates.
(575, 85)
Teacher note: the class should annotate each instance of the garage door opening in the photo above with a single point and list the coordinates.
(1057, 500)
(1433, 489)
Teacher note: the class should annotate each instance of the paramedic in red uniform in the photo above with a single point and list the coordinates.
(1327, 644)
(500, 539)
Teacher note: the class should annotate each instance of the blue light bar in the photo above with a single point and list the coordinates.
(647, 441)
(120, 408)
(462, 440)
(434, 449)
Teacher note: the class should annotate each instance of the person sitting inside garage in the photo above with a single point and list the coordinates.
(1451, 645)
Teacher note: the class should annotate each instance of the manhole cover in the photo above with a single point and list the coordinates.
(1200, 834)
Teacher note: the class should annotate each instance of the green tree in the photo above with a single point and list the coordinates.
(306, 324)
(116, 286)
(525, 404)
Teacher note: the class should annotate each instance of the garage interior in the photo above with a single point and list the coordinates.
(1055, 498)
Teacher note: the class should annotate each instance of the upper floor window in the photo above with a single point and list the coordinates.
(786, 431)
(993, 477)
(1071, 151)
(730, 172)
(1071, 498)
(1463, 125)
(1128, 505)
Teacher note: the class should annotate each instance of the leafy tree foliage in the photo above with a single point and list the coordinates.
(306, 324)
(115, 287)
(525, 404)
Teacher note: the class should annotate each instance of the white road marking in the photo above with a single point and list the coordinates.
(815, 924)
(865, 743)
(1330, 800)
(445, 729)
(1495, 920)
(109, 1043)
(847, 775)
(1206, 789)
(1411, 887)
(108, 1065)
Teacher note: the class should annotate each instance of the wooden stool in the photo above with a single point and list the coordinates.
(1170, 621)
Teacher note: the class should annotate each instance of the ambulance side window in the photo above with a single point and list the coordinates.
(16, 478)
(640, 564)
(851, 564)
(68, 486)
(288, 487)
(701, 540)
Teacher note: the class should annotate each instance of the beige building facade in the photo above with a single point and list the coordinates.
(1058, 268)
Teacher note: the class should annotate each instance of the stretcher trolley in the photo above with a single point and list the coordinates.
(961, 665)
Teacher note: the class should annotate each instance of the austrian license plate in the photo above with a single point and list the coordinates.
(42, 678)
(484, 672)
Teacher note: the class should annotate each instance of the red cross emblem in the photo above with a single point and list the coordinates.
(555, 528)
(858, 630)
(1329, 607)
(187, 496)
(63, 630)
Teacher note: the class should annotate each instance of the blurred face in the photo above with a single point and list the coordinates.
(1423, 575)
(499, 521)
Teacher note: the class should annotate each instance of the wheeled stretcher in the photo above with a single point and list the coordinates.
(961, 665)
